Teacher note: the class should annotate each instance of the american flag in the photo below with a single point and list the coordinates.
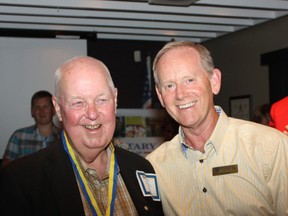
(147, 99)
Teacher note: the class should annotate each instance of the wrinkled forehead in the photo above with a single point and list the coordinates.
(84, 78)
(177, 58)
(79, 65)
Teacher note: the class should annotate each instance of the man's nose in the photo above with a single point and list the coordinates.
(92, 111)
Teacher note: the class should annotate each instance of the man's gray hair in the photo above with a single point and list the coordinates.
(206, 58)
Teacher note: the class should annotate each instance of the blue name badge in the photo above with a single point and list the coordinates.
(148, 184)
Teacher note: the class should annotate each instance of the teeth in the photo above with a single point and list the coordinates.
(92, 127)
(185, 105)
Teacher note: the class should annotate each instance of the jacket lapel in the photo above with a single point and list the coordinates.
(63, 182)
(128, 174)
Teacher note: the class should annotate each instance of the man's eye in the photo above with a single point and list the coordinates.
(77, 105)
(169, 86)
(101, 100)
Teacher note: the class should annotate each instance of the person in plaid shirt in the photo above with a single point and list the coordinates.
(25, 141)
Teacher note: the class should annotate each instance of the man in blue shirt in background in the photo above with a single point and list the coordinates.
(30, 139)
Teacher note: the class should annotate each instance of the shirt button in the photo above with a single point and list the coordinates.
(146, 208)
(204, 190)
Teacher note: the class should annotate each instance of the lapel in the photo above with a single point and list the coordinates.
(128, 173)
(63, 182)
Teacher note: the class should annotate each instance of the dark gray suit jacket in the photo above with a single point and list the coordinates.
(44, 183)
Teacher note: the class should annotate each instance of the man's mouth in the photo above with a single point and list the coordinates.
(92, 127)
(184, 106)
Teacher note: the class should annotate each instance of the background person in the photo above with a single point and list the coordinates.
(82, 173)
(262, 114)
(30, 139)
(215, 165)
(286, 130)
(279, 114)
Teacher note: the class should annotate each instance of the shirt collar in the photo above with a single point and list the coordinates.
(83, 165)
(36, 131)
(56, 132)
(220, 129)
(217, 135)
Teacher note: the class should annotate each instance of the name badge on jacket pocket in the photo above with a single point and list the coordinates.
(148, 184)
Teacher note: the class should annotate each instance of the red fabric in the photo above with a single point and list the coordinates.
(279, 114)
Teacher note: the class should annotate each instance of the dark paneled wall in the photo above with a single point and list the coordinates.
(128, 74)
(277, 62)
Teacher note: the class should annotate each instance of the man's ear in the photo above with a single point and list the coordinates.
(215, 80)
(54, 111)
(115, 98)
(159, 95)
(57, 107)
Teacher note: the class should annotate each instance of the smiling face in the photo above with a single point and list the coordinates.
(185, 89)
(87, 105)
(42, 110)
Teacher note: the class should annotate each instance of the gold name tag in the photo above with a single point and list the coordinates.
(223, 170)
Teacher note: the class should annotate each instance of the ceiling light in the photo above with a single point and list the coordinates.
(173, 2)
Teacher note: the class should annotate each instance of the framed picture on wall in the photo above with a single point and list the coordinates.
(241, 107)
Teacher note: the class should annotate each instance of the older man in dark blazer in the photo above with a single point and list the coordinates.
(45, 184)
(82, 173)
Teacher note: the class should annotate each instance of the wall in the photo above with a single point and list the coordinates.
(238, 56)
(127, 72)
(28, 65)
